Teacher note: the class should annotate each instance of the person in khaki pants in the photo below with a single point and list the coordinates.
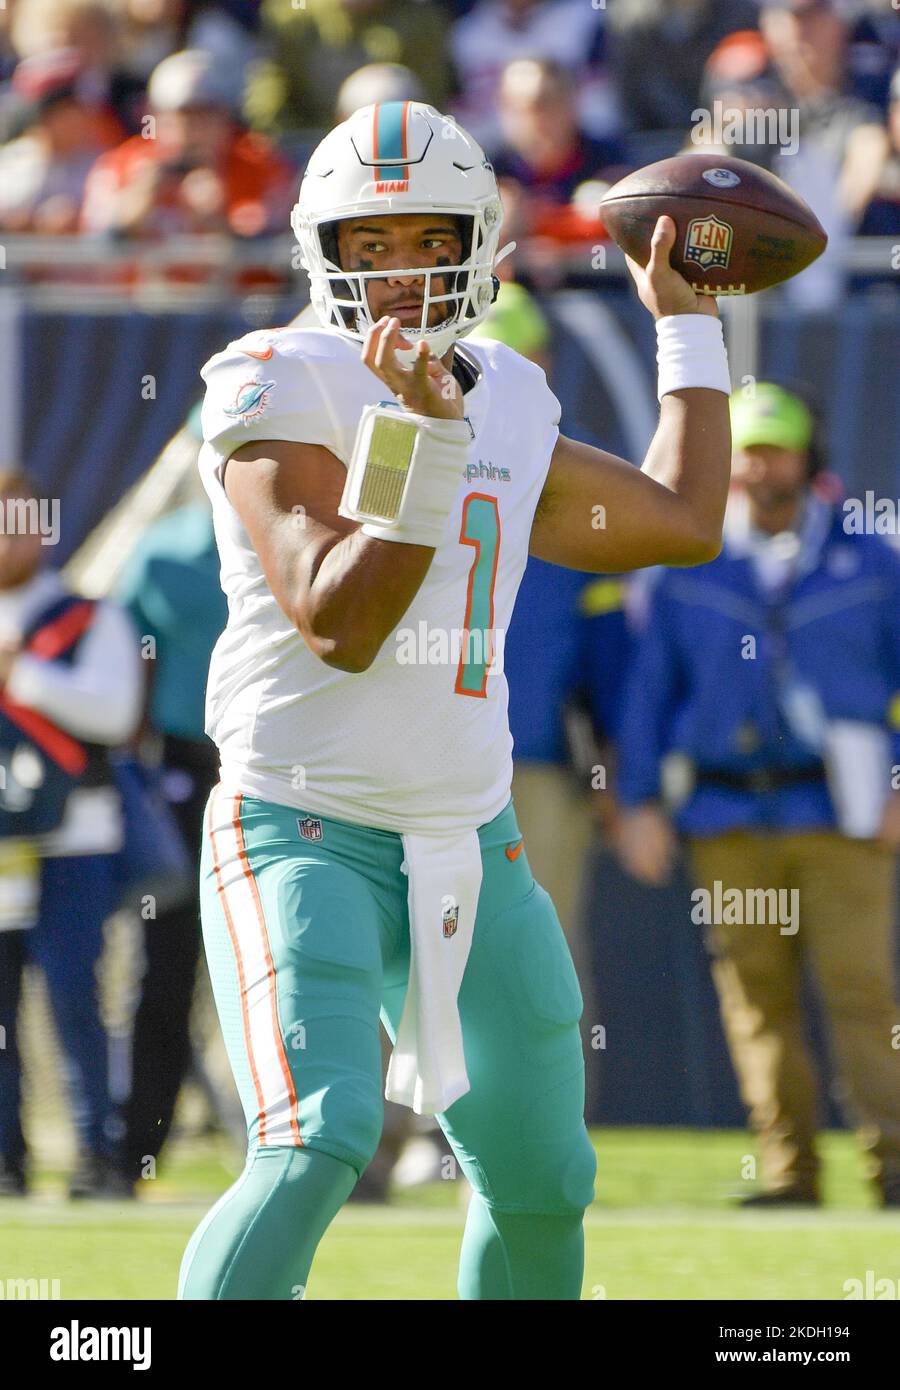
(764, 668)
(845, 930)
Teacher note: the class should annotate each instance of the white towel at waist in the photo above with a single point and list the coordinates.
(428, 1066)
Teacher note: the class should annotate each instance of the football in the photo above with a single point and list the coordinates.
(740, 229)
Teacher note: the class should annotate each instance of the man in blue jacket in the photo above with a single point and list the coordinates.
(774, 671)
(70, 692)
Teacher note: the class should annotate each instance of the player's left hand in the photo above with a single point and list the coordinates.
(425, 388)
(660, 288)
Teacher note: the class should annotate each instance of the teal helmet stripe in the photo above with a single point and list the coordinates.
(389, 138)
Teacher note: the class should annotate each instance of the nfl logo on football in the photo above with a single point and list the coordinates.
(310, 827)
(450, 920)
(708, 242)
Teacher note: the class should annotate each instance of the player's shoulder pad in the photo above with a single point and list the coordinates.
(495, 357)
(282, 347)
(284, 383)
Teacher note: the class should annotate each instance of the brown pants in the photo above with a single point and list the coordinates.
(556, 825)
(846, 909)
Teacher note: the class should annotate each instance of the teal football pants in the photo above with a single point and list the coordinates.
(307, 941)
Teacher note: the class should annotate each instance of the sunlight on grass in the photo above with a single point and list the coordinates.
(664, 1225)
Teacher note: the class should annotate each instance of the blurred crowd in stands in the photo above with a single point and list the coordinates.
(140, 119)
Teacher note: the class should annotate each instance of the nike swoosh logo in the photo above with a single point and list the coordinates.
(260, 356)
(513, 851)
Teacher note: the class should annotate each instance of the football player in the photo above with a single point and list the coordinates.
(377, 489)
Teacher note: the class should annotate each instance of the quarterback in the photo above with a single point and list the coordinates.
(372, 476)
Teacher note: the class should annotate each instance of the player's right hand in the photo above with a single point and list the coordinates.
(660, 288)
(425, 388)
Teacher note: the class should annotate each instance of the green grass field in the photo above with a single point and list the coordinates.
(663, 1227)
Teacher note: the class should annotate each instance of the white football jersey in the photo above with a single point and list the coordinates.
(419, 741)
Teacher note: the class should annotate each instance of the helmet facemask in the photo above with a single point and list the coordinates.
(466, 290)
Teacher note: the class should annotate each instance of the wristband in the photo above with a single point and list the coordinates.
(404, 474)
(691, 353)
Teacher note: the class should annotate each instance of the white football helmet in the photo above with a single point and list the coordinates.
(400, 157)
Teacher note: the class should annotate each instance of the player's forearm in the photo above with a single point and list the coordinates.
(357, 592)
(690, 455)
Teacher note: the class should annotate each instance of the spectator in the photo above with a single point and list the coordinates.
(171, 589)
(882, 216)
(774, 671)
(568, 32)
(92, 29)
(152, 29)
(200, 171)
(7, 51)
(738, 83)
(316, 47)
(70, 689)
(874, 52)
(377, 82)
(657, 49)
(842, 141)
(546, 155)
(43, 172)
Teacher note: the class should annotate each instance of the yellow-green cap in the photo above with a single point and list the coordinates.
(770, 415)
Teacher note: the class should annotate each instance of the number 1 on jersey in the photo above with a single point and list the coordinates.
(480, 528)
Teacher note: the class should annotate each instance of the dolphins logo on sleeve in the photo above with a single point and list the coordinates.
(250, 401)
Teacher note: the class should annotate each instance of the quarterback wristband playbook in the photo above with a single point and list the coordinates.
(691, 353)
(404, 474)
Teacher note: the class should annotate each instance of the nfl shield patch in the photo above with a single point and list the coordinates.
(451, 920)
(708, 242)
(310, 827)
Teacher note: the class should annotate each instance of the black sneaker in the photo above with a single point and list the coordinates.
(789, 1197)
(13, 1182)
(98, 1177)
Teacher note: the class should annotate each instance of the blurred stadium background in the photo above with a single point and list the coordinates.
(151, 150)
